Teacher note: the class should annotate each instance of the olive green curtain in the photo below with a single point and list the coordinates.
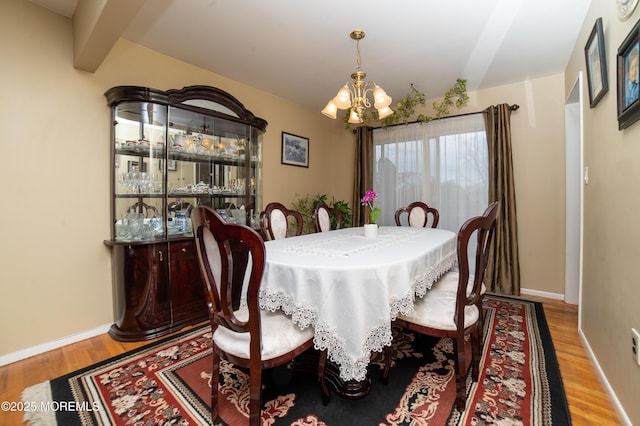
(363, 171)
(503, 272)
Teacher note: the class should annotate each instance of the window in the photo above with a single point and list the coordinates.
(443, 163)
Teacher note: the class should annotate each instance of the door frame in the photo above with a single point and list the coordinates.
(576, 178)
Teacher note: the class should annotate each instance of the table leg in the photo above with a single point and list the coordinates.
(348, 389)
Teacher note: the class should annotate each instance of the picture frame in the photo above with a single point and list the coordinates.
(171, 165)
(627, 79)
(596, 61)
(134, 167)
(295, 150)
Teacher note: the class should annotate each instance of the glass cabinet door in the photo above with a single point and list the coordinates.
(176, 150)
(140, 152)
(215, 163)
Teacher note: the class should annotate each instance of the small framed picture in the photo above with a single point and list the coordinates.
(134, 167)
(171, 165)
(596, 58)
(295, 150)
(628, 76)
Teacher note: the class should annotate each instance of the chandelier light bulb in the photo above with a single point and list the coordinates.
(382, 102)
(384, 112)
(379, 94)
(343, 98)
(354, 118)
(330, 110)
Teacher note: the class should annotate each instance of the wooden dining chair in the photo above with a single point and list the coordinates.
(275, 221)
(418, 215)
(176, 206)
(326, 218)
(144, 208)
(244, 335)
(455, 314)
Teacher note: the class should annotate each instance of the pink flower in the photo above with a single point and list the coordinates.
(369, 198)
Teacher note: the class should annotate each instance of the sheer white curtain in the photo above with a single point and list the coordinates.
(443, 163)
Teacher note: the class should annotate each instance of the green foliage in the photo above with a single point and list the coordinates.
(305, 205)
(375, 214)
(345, 211)
(405, 109)
(457, 92)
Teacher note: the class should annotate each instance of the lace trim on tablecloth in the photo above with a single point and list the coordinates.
(325, 337)
(405, 304)
(433, 274)
(378, 337)
(302, 315)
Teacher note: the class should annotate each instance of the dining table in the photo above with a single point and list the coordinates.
(350, 288)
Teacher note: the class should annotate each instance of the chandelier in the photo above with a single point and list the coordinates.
(353, 95)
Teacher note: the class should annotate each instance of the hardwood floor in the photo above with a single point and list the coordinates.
(588, 402)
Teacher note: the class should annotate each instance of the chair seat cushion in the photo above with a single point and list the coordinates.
(280, 335)
(449, 282)
(436, 309)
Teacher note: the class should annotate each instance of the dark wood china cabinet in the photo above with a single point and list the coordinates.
(171, 151)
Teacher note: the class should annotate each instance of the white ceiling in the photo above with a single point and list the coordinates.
(301, 50)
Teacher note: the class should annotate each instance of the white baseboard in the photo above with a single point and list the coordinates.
(619, 409)
(542, 294)
(54, 344)
(622, 415)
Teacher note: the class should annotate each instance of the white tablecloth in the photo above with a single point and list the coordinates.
(350, 288)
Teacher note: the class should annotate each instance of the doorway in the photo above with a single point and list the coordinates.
(574, 165)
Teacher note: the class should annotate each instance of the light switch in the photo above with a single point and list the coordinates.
(586, 175)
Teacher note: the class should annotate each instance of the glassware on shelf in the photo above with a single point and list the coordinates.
(122, 230)
(181, 221)
(134, 226)
(177, 141)
(140, 183)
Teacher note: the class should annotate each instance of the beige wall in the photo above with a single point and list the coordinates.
(610, 293)
(56, 278)
(537, 130)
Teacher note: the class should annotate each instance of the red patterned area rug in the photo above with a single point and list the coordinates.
(168, 382)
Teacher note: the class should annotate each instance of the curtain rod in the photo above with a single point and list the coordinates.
(513, 107)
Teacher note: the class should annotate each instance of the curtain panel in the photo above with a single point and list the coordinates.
(363, 172)
(503, 272)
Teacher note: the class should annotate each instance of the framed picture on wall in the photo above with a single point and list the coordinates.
(628, 76)
(596, 58)
(171, 165)
(295, 150)
(134, 167)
